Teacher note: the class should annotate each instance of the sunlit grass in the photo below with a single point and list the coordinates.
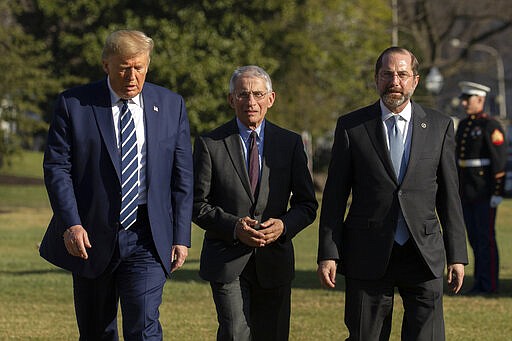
(36, 298)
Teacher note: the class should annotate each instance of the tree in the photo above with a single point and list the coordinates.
(25, 83)
(430, 26)
(197, 43)
(326, 60)
(317, 52)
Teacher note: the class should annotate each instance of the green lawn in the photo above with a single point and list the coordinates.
(36, 298)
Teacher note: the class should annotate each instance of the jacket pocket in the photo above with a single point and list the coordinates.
(432, 226)
(362, 223)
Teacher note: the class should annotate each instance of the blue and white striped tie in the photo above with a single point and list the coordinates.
(129, 169)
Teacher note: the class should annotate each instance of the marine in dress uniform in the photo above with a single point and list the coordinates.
(482, 155)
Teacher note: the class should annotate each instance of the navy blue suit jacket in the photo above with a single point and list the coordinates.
(82, 175)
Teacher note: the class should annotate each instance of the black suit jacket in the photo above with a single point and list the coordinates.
(82, 174)
(428, 195)
(222, 195)
(478, 137)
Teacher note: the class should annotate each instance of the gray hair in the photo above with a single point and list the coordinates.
(127, 43)
(251, 71)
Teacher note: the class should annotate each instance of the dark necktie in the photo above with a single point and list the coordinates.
(129, 168)
(396, 151)
(254, 162)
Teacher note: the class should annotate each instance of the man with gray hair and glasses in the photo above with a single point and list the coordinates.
(252, 194)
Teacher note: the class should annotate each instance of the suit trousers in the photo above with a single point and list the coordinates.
(135, 277)
(369, 303)
(246, 311)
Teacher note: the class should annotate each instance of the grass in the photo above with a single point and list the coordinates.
(36, 298)
(26, 164)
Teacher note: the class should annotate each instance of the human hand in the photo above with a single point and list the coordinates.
(495, 201)
(272, 229)
(76, 241)
(455, 276)
(326, 272)
(178, 255)
(246, 233)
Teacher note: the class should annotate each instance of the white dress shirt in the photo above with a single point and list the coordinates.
(136, 107)
(404, 125)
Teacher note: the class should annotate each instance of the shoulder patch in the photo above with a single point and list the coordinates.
(497, 137)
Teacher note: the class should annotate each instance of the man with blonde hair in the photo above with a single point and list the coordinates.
(118, 170)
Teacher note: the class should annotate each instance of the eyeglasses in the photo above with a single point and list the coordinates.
(258, 95)
(389, 75)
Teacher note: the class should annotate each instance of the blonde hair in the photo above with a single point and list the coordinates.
(127, 43)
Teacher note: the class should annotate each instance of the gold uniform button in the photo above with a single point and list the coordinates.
(481, 173)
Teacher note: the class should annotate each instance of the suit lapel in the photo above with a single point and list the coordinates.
(420, 126)
(152, 120)
(102, 108)
(236, 154)
(265, 170)
(376, 133)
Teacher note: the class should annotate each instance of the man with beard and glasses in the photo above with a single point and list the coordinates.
(397, 159)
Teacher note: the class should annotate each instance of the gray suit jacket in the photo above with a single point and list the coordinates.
(428, 195)
(222, 195)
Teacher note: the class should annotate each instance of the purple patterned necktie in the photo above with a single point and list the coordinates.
(254, 162)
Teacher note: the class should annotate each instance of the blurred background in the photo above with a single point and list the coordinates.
(320, 54)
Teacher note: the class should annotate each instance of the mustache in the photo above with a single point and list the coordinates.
(393, 90)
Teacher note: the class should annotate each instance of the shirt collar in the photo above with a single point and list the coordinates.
(386, 113)
(114, 98)
(245, 132)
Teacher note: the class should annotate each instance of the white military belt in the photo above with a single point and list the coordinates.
(474, 162)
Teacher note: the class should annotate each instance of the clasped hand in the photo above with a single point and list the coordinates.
(249, 232)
